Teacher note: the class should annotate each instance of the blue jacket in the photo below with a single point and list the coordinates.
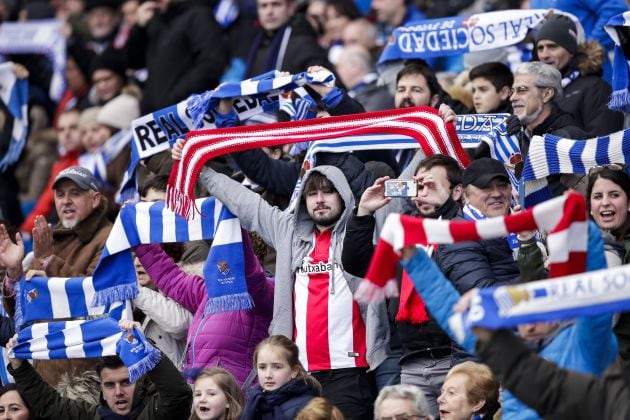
(588, 345)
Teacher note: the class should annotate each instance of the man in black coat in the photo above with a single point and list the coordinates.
(585, 94)
(285, 42)
(181, 45)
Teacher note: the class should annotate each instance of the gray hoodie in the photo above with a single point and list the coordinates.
(291, 234)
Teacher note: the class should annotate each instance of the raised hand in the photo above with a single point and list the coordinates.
(11, 254)
(42, 238)
(373, 198)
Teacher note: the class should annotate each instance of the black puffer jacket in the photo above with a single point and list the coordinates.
(586, 98)
(283, 403)
(553, 392)
(471, 264)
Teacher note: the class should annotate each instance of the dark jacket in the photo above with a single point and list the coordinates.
(182, 50)
(586, 98)
(168, 397)
(484, 263)
(283, 403)
(553, 392)
(302, 50)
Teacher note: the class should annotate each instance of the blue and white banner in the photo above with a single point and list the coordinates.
(550, 155)
(586, 294)
(14, 96)
(152, 223)
(459, 35)
(153, 133)
(38, 37)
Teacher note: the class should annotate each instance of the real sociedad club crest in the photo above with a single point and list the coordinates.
(223, 267)
(32, 295)
(515, 158)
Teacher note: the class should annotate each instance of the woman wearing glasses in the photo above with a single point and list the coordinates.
(608, 195)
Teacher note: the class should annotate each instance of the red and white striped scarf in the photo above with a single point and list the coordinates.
(422, 124)
(563, 217)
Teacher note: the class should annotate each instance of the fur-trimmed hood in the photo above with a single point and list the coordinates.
(589, 59)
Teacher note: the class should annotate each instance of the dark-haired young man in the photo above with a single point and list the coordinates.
(425, 350)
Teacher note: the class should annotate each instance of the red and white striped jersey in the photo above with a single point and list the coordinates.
(329, 329)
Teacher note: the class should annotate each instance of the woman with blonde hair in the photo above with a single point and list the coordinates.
(319, 408)
(470, 389)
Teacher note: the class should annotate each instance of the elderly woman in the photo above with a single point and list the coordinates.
(470, 389)
(401, 401)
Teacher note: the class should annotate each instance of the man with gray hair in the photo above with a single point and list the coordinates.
(356, 71)
(401, 402)
(535, 91)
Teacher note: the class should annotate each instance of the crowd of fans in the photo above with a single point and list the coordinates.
(307, 349)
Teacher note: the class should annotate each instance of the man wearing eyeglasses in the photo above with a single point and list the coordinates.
(535, 92)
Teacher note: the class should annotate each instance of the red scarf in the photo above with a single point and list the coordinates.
(422, 124)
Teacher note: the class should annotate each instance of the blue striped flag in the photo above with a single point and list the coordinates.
(550, 155)
(14, 96)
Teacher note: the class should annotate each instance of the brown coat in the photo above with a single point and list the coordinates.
(75, 254)
(76, 251)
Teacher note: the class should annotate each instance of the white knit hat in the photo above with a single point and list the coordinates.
(119, 112)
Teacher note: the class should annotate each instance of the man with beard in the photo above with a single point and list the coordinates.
(417, 85)
(338, 338)
(72, 249)
(420, 348)
(535, 91)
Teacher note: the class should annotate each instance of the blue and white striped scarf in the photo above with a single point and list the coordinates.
(52, 318)
(597, 291)
(551, 155)
(153, 132)
(14, 94)
(87, 339)
(150, 223)
(459, 35)
(38, 37)
(620, 97)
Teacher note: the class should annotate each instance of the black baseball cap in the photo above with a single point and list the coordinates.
(481, 171)
(80, 176)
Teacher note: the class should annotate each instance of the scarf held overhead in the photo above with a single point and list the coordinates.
(87, 339)
(38, 37)
(14, 96)
(586, 294)
(421, 124)
(146, 223)
(618, 29)
(550, 155)
(564, 217)
(460, 35)
(153, 132)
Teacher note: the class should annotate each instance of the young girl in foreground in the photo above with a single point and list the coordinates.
(284, 387)
(216, 396)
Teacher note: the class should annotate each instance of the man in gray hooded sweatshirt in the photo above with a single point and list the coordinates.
(339, 339)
